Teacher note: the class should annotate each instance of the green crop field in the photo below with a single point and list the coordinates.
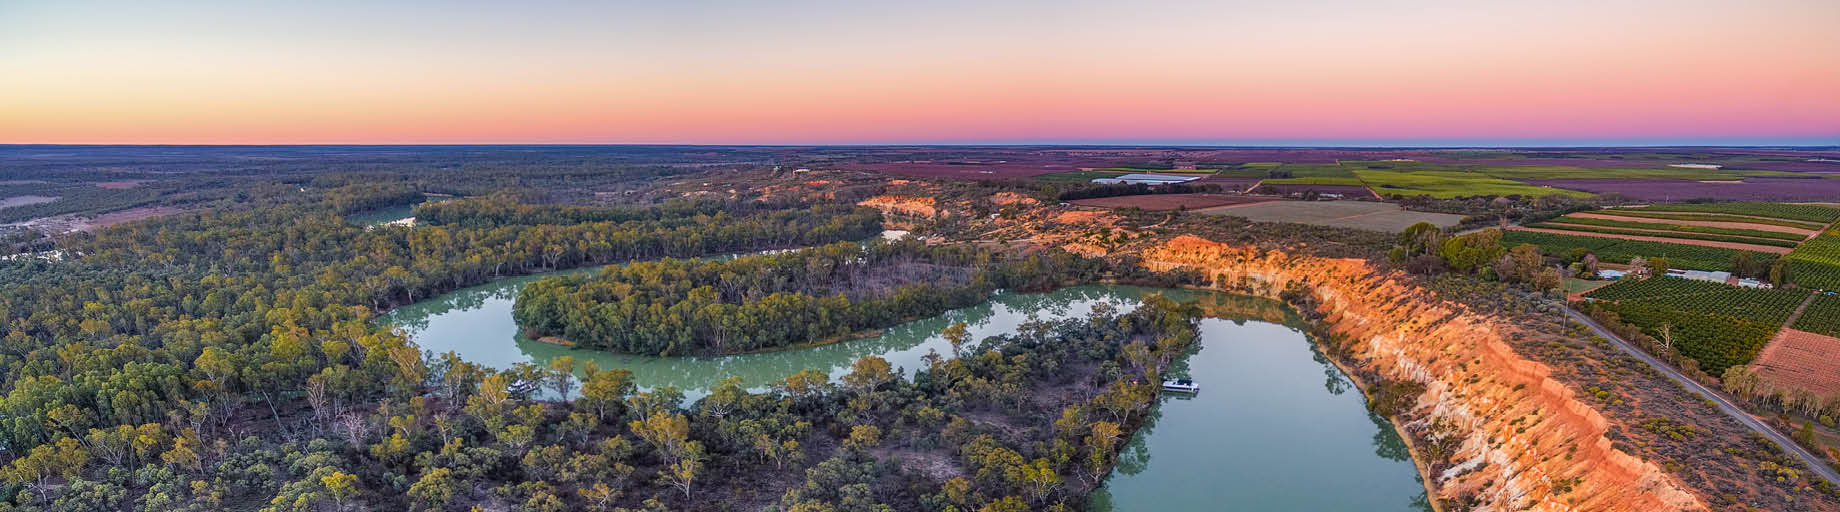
(1822, 316)
(1718, 325)
(1754, 233)
(1449, 184)
(1801, 212)
(1816, 263)
(1248, 170)
(1712, 217)
(1716, 341)
(1316, 171)
(1558, 244)
(1395, 165)
(1676, 235)
(1768, 307)
(1639, 289)
(1621, 251)
(1317, 180)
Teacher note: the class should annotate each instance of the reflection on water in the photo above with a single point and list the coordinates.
(476, 323)
(1266, 432)
(1274, 427)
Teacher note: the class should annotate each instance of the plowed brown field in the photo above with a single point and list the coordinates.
(1801, 359)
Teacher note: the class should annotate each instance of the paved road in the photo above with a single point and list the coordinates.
(1730, 409)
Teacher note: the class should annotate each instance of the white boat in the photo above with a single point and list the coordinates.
(1181, 386)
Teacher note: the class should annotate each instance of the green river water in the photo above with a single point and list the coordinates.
(1275, 426)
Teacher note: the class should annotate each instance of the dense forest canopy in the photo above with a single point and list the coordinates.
(155, 348)
(503, 210)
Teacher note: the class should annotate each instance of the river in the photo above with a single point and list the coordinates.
(1275, 427)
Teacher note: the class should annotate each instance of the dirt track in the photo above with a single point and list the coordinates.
(1705, 243)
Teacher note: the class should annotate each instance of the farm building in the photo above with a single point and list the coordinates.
(1701, 275)
(1145, 179)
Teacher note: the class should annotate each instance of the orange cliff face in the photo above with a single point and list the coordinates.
(910, 206)
(1523, 440)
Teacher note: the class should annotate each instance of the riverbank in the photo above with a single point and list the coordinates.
(1320, 346)
(1286, 446)
(1521, 440)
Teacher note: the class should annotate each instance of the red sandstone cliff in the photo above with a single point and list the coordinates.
(1524, 441)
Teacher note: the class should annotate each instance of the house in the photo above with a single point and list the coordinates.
(1145, 179)
(1753, 283)
(1610, 274)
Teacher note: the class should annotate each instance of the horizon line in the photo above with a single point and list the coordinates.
(1391, 146)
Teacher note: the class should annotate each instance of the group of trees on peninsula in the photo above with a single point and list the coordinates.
(765, 301)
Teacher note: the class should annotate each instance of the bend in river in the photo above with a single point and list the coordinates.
(1275, 427)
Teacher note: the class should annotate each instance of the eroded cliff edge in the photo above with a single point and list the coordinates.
(1523, 441)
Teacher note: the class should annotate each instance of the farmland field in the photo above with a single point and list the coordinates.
(1078, 176)
(1767, 307)
(1665, 240)
(1368, 215)
(1315, 171)
(1268, 187)
(1316, 180)
(1161, 202)
(1716, 341)
(1617, 250)
(1822, 316)
(1685, 228)
(1248, 170)
(1718, 325)
(1798, 233)
(1804, 188)
(1555, 172)
(1799, 359)
(1816, 263)
(1799, 212)
(1686, 238)
(1449, 184)
(1708, 217)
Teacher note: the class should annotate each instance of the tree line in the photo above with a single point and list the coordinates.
(764, 301)
(503, 210)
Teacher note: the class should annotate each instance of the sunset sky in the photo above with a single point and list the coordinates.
(786, 72)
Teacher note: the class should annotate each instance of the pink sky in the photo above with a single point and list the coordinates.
(800, 73)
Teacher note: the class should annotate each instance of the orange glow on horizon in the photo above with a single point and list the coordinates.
(1602, 73)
